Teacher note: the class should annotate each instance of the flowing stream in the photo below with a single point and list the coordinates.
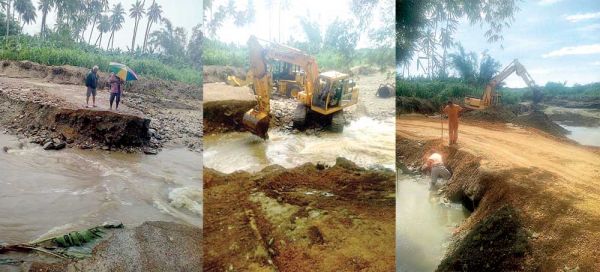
(364, 141)
(46, 193)
(424, 224)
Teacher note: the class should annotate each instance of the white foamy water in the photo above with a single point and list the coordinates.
(46, 193)
(364, 141)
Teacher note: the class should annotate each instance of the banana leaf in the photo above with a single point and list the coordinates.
(70, 240)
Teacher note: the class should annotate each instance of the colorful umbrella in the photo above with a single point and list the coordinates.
(122, 71)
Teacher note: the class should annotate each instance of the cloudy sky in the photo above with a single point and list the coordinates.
(556, 40)
(322, 11)
(182, 13)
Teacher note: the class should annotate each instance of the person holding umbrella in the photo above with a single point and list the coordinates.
(119, 73)
(115, 90)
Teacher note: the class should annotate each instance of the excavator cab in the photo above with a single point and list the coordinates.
(335, 92)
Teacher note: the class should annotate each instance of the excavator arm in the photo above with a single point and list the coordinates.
(489, 95)
(257, 119)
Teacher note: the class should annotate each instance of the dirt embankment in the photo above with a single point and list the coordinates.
(47, 103)
(33, 113)
(308, 218)
(152, 246)
(216, 73)
(533, 196)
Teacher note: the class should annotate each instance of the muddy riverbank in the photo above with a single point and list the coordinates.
(531, 209)
(47, 104)
(307, 218)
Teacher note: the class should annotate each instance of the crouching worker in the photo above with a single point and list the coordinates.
(438, 170)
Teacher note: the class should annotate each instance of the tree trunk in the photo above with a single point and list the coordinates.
(43, 29)
(137, 20)
(146, 35)
(7, 17)
(98, 39)
(92, 31)
(110, 39)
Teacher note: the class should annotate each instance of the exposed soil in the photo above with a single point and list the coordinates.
(517, 180)
(308, 218)
(47, 103)
(215, 73)
(152, 246)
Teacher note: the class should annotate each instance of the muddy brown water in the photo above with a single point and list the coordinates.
(46, 193)
(365, 141)
(424, 224)
(583, 135)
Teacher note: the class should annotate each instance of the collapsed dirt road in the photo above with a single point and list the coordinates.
(47, 103)
(552, 184)
(308, 218)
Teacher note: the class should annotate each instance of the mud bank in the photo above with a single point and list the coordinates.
(541, 185)
(152, 246)
(39, 117)
(156, 111)
(493, 236)
(308, 218)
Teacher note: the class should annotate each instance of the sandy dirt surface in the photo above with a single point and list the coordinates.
(222, 92)
(169, 113)
(308, 218)
(553, 183)
(70, 96)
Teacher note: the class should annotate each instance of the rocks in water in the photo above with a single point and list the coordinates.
(48, 145)
(150, 151)
(54, 144)
(5, 149)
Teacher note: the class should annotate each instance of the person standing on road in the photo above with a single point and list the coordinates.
(91, 82)
(115, 90)
(452, 110)
(438, 170)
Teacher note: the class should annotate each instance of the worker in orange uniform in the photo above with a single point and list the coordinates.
(452, 110)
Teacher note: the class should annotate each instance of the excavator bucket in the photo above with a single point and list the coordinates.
(257, 122)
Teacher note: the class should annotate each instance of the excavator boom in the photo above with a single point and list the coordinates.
(257, 119)
(489, 94)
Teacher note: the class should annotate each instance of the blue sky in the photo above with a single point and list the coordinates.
(556, 40)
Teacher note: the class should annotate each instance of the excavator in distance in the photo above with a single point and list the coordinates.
(491, 97)
(326, 94)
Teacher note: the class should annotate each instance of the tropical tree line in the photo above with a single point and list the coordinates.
(95, 22)
(336, 47)
(425, 30)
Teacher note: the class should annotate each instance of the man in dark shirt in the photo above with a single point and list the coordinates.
(91, 82)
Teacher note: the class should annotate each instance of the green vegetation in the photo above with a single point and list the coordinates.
(334, 48)
(166, 52)
(219, 53)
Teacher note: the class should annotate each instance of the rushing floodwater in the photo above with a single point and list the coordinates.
(584, 135)
(424, 225)
(46, 193)
(364, 141)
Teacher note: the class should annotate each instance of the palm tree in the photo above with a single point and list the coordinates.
(45, 6)
(269, 5)
(283, 6)
(103, 27)
(96, 8)
(154, 15)
(170, 40)
(137, 12)
(116, 23)
(8, 4)
(26, 11)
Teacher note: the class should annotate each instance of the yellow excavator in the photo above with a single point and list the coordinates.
(326, 94)
(492, 98)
